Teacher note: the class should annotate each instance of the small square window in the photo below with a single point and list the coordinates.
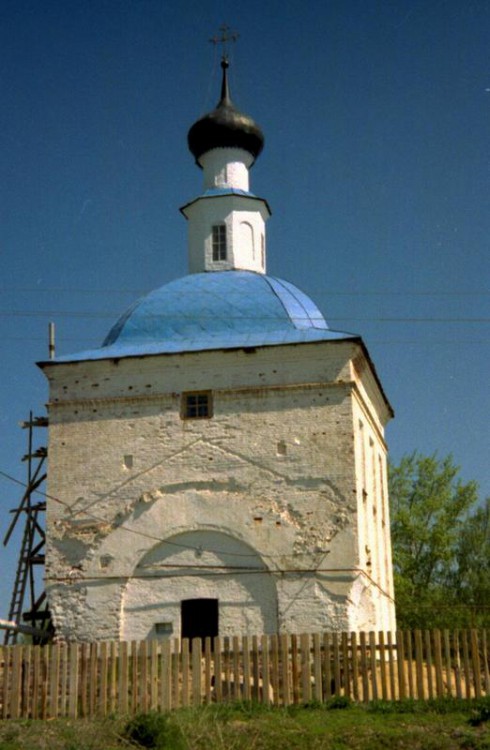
(197, 405)
(164, 628)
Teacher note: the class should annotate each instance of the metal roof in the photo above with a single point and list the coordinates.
(220, 192)
(218, 310)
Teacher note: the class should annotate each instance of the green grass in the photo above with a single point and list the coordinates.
(337, 725)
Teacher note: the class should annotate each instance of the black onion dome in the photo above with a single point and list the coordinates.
(225, 127)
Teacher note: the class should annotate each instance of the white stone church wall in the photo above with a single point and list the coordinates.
(373, 518)
(273, 471)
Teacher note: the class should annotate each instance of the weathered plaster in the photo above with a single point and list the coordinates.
(277, 471)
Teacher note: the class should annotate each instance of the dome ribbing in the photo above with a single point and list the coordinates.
(222, 304)
(222, 310)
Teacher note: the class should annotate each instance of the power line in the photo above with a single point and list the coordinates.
(380, 319)
(71, 290)
(57, 313)
(143, 534)
(231, 570)
(330, 292)
(200, 550)
(207, 570)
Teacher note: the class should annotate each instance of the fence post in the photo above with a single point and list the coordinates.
(196, 671)
(266, 682)
(286, 694)
(36, 681)
(409, 657)
(166, 676)
(54, 680)
(143, 657)
(133, 676)
(327, 686)
(3, 673)
(185, 671)
(94, 672)
(364, 669)
(122, 697)
(7, 653)
(218, 685)
(113, 676)
(44, 681)
(346, 664)
(428, 659)
(73, 699)
(275, 667)
(317, 666)
(207, 669)
(26, 682)
(355, 666)
(305, 667)
(447, 661)
(294, 667)
(104, 671)
(237, 678)
(336, 665)
(418, 665)
(247, 694)
(400, 663)
(372, 654)
(6, 681)
(64, 679)
(391, 665)
(382, 665)
(153, 674)
(466, 664)
(485, 659)
(457, 664)
(83, 681)
(227, 691)
(438, 663)
(176, 672)
(16, 684)
(475, 658)
(255, 668)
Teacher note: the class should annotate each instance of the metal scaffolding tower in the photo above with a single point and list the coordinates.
(27, 605)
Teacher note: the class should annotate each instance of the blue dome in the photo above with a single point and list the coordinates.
(220, 310)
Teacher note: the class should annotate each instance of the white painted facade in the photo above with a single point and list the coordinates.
(244, 219)
(226, 168)
(244, 216)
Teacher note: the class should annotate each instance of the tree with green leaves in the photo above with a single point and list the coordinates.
(441, 548)
(470, 577)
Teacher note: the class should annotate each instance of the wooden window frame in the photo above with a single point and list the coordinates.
(196, 405)
(219, 242)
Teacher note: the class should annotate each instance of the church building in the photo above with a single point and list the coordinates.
(218, 465)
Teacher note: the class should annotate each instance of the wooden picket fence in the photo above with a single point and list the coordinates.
(83, 680)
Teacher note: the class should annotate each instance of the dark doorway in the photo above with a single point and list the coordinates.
(199, 618)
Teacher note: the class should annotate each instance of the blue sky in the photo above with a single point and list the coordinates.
(376, 167)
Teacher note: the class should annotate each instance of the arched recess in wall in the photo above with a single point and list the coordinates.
(246, 240)
(201, 564)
